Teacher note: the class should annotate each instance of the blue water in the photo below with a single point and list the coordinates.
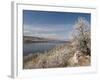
(39, 47)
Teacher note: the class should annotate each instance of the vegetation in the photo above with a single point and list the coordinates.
(75, 53)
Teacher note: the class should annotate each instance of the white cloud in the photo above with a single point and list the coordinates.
(47, 31)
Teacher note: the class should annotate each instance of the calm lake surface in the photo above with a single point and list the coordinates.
(39, 47)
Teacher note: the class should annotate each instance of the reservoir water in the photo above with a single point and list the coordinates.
(39, 47)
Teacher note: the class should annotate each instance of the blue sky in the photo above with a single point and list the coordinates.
(47, 24)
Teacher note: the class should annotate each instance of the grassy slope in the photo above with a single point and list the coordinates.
(60, 56)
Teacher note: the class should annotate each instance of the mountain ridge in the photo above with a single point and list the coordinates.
(31, 39)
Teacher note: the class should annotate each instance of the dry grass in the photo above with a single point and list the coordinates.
(60, 56)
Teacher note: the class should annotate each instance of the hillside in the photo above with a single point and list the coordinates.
(31, 39)
(60, 56)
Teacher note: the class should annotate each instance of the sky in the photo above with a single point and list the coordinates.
(47, 24)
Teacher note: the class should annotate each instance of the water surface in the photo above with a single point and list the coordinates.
(39, 47)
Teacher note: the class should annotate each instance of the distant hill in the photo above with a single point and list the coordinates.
(31, 39)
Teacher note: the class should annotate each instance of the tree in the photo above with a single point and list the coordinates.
(82, 36)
